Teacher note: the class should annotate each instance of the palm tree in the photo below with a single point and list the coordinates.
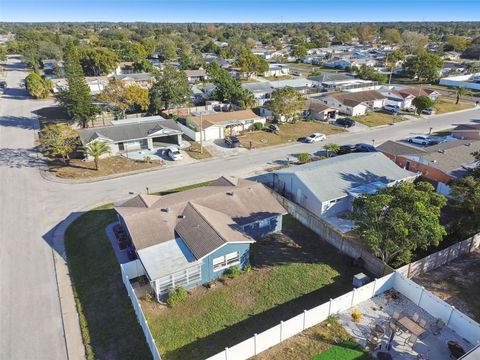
(96, 149)
(247, 100)
(461, 91)
(331, 148)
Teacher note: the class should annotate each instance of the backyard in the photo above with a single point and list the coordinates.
(293, 270)
(288, 133)
(444, 105)
(377, 119)
(325, 341)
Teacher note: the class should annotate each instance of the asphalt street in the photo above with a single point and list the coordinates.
(31, 207)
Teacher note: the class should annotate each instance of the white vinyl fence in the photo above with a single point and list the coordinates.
(455, 320)
(138, 311)
(441, 257)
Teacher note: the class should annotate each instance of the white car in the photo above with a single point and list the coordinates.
(420, 139)
(173, 153)
(392, 108)
(315, 137)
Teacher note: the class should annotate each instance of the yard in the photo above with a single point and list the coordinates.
(377, 119)
(194, 151)
(291, 271)
(457, 283)
(79, 169)
(288, 133)
(326, 341)
(444, 105)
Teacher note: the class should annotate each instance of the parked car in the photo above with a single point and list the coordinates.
(394, 109)
(429, 111)
(272, 128)
(173, 153)
(346, 122)
(315, 137)
(232, 141)
(296, 73)
(365, 148)
(423, 140)
(346, 149)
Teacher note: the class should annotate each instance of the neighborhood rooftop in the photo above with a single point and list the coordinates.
(221, 117)
(355, 98)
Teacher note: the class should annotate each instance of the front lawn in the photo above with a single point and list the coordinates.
(292, 271)
(444, 105)
(377, 118)
(288, 133)
(194, 151)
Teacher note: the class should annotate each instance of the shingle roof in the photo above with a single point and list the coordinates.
(318, 106)
(227, 202)
(331, 178)
(355, 98)
(414, 91)
(220, 117)
(396, 148)
(130, 131)
(330, 77)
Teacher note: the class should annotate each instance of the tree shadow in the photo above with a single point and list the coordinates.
(20, 158)
(52, 114)
(20, 122)
(16, 94)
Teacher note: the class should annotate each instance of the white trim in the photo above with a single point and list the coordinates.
(221, 246)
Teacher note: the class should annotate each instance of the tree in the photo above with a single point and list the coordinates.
(251, 64)
(123, 97)
(96, 149)
(76, 99)
(398, 220)
(299, 51)
(247, 100)
(392, 35)
(461, 91)
(320, 39)
(3, 53)
(465, 195)
(227, 88)
(169, 90)
(422, 102)
(287, 102)
(97, 61)
(37, 86)
(426, 66)
(413, 41)
(143, 65)
(455, 42)
(131, 51)
(58, 140)
(369, 73)
(473, 67)
(365, 33)
(331, 148)
(167, 49)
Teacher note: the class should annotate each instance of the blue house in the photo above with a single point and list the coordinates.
(192, 237)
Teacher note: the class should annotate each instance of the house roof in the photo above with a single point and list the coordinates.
(356, 98)
(317, 106)
(134, 77)
(331, 77)
(294, 83)
(130, 131)
(467, 127)
(414, 91)
(196, 73)
(332, 178)
(258, 87)
(204, 217)
(222, 117)
(397, 148)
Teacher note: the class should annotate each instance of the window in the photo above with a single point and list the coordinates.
(121, 146)
(226, 261)
(263, 223)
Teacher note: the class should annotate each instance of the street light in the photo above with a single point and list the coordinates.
(430, 131)
(373, 142)
(147, 191)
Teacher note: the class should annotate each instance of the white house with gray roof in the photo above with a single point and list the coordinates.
(328, 187)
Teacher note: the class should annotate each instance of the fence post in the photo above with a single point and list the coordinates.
(255, 344)
(450, 316)
(281, 330)
(353, 296)
(374, 287)
(304, 318)
(226, 353)
(421, 295)
(330, 307)
(408, 270)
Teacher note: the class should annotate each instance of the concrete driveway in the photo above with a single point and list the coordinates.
(31, 208)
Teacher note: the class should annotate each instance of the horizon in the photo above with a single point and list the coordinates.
(238, 12)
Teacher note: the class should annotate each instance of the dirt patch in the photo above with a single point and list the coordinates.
(457, 283)
(79, 169)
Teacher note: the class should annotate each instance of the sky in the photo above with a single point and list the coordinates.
(239, 10)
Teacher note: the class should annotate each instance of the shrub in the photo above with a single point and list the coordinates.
(148, 297)
(233, 272)
(176, 296)
(257, 126)
(37, 86)
(356, 316)
(248, 268)
(303, 157)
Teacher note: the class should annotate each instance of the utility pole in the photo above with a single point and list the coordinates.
(201, 133)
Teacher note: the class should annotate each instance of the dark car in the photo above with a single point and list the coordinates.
(365, 148)
(346, 149)
(232, 141)
(273, 128)
(346, 122)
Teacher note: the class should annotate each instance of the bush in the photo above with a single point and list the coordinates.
(176, 296)
(303, 157)
(356, 316)
(248, 268)
(37, 86)
(257, 126)
(233, 272)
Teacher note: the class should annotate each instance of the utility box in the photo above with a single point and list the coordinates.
(360, 280)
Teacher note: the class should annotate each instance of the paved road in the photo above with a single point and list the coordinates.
(30, 207)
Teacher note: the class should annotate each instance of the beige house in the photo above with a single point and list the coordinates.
(467, 132)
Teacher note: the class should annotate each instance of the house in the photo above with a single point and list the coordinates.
(317, 110)
(338, 64)
(96, 84)
(192, 237)
(144, 80)
(195, 76)
(277, 70)
(212, 125)
(355, 103)
(440, 163)
(328, 187)
(262, 91)
(469, 81)
(467, 131)
(403, 97)
(302, 85)
(147, 133)
(123, 68)
(343, 82)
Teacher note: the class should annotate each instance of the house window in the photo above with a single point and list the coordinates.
(226, 261)
(121, 146)
(263, 223)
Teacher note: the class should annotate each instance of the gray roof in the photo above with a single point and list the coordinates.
(134, 76)
(396, 148)
(257, 87)
(294, 83)
(332, 178)
(330, 77)
(130, 131)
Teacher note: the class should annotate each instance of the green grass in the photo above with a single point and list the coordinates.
(291, 272)
(347, 350)
(444, 105)
(377, 119)
(183, 188)
(107, 319)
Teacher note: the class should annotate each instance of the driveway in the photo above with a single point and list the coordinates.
(31, 207)
(218, 148)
